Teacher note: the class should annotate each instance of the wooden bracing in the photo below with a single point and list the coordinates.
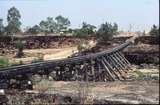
(103, 66)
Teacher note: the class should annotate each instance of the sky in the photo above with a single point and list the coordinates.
(137, 15)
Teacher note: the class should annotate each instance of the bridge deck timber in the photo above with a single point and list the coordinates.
(108, 65)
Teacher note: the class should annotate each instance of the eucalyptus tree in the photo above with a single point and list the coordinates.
(85, 30)
(48, 25)
(13, 19)
(62, 23)
(107, 30)
(34, 30)
(44, 26)
(51, 24)
(1, 27)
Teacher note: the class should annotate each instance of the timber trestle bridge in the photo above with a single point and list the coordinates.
(109, 65)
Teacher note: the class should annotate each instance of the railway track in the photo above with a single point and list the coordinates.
(109, 65)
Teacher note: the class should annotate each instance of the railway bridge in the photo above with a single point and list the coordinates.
(108, 65)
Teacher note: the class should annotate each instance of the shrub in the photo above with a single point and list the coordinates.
(36, 60)
(19, 45)
(107, 30)
(4, 62)
(39, 58)
(155, 77)
(154, 31)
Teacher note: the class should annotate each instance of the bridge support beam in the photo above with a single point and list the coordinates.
(107, 70)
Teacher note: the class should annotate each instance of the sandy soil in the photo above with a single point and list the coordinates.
(48, 54)
(62, 53)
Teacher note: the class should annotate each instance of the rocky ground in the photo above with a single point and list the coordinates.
(141, 87)
(126, 92)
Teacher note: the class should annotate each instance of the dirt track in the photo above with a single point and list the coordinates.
(62, 53)
(49, 54)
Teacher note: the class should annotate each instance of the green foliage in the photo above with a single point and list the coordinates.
(20, 46)
(35, 60)
(154, 31)
(38, 59)
(1, 27)
(13, 19)
(52, 26)
(86, 30)
(79, 33)
(107, 30)
(44, 26)
(62, 23)
(34, 30)
(59, 25)
(70, 30)
(155, 77)
(4, 62)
